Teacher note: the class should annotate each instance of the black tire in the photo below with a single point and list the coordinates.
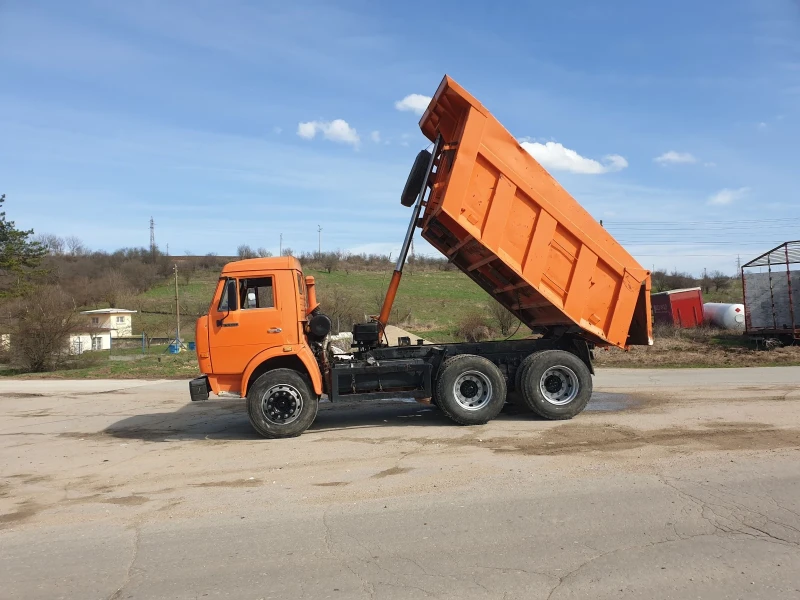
(415, 178)
(555, 384)
(518, 375)
(479, 382)
(434, 399)
(272, 404)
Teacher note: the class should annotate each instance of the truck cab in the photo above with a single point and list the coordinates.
(258, 320)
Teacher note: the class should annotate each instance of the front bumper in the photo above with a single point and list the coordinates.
(199, 389)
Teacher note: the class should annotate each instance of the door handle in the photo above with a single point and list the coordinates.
(274, 330)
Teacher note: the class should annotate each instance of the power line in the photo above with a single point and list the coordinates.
(646, 242)
(732, 221)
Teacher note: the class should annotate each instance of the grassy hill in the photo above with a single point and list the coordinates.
(429, 303)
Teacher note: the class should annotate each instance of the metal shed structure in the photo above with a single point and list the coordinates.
(772, 293)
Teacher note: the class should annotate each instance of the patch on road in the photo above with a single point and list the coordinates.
(392, 471)
(25, 511)
(575, 438)
(233, 483)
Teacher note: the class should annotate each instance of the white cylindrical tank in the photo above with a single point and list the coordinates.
(727, 316)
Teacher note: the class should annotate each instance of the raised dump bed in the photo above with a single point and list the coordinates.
(503, 220)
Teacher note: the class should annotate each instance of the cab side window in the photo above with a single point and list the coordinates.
(257, 292)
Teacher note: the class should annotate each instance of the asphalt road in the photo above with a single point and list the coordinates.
(673, 484)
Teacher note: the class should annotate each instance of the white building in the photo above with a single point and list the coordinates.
(91, 339)
(116, 320)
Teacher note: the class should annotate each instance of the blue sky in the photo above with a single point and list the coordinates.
(233, 122)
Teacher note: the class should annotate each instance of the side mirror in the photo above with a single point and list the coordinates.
(231, 295)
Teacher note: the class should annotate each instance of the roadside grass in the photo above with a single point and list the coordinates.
(150, 366)
(695, 348)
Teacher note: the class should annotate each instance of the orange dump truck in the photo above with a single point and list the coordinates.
(486, 204)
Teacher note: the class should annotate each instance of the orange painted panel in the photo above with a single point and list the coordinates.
(507, 223)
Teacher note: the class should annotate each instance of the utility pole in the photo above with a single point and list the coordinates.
(319, 246)
(738, 265)
(177, 309)
(280, 251)
(152, 239)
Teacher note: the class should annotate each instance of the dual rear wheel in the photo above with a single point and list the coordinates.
(554, 384)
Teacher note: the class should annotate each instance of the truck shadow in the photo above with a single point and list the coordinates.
(227, 420)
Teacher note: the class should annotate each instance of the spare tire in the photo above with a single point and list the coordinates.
(415, 178)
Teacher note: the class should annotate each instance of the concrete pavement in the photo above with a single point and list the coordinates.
(674, 484)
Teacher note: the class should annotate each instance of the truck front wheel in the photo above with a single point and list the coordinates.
(555, 384)
(470, 390)
(280, 404)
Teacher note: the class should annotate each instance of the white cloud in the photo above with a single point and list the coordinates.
(375, 136)
(675, 158)
(762, 126)
(307, 130)
(555, 156)
(727, 196)
(337, 130)
(277, 130)
(416, 103)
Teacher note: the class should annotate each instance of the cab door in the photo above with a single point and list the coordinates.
(246, 321)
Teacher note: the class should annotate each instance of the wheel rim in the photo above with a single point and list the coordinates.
(281, 404)
(472, 390)
(559, 385)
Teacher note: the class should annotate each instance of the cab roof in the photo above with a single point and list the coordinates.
(263, 264)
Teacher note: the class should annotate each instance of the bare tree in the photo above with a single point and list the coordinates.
(502, 317)
(52, 243)
(75, 246)
(245, 251)
(113, 286)
(187, 271)
(41, 322)
(720, 280)
(263, 253)
(287, 252)
(329, 261)
(342, 306)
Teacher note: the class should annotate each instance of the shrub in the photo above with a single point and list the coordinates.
(342, 306)
(40, 324)
(502, 317)
(473, 327)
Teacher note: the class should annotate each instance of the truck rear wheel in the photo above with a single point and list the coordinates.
(555, 384)
(470, 389)
(281, 404)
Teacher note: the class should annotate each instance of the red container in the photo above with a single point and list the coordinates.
(682, 308)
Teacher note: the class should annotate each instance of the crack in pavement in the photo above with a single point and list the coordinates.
(728, 524)
(129, 571)
(708, 514)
